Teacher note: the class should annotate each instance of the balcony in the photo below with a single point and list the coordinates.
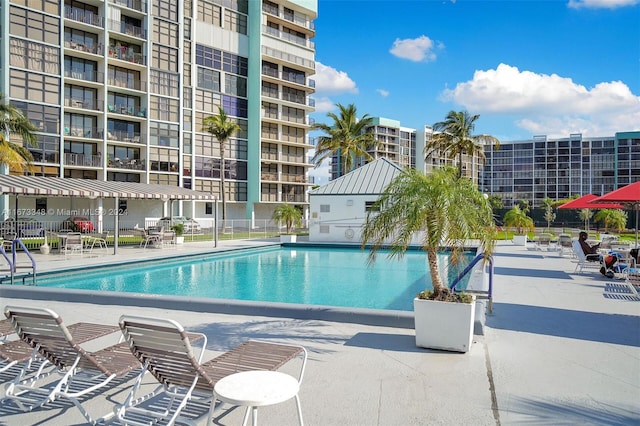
(84, 16)
(128, 29)
(84, 104)
(288, 57)
(84, 47)
(127, 110)
(269, 176)
(291, 17)
(92, 76)
(138, 5)
(83, 132)
(117, 163)
(286, 177)
(82, 160)
(128, 54)
(129, 137)
(300, 41)
(127, 83)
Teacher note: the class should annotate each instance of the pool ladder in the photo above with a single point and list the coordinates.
(13, 262)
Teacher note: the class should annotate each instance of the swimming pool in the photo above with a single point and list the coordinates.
(314, 276)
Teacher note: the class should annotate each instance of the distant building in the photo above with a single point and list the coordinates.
(558, 168)
(119, 89)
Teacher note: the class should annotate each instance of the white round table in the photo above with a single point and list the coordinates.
(255, 389)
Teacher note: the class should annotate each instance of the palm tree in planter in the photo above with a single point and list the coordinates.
(442, 211)
(517, 218)
(222, 127)
(291, 216)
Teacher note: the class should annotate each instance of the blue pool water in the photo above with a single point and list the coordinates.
(314, 276)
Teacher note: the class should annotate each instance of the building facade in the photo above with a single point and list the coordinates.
(118, 90)
(393, 142)
(560, 168)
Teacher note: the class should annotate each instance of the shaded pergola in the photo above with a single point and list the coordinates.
(96, 189)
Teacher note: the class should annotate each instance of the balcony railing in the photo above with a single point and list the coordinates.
(84, 47)
(83, 132)
(94, 105)
(291, 17)
(301, 41)
(82, 15)
(288, 57)
(127, 83)
(127, 29)
(82, 160)
(127, 110)
(117, 163)
(288, 76)
(128, 54)
(94, 76)
(132, 4)
(122, 136)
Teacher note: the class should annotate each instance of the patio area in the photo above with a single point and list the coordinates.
(558, 348)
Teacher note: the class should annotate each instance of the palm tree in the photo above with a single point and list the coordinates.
(13, 121)
(585, 215)
(453, 138)
(518, 218)
(222, 127)
(611, 217)
(441, 209)
(288, 214)
(346, 138)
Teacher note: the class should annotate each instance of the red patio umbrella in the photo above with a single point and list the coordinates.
(584, 202)
(629, 194)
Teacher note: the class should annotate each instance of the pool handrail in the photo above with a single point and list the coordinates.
(4, 254)
(468, 269)
(14, 267)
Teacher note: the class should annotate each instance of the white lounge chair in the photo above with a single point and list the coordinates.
(168, 352)
(80, 372)
(585, 260)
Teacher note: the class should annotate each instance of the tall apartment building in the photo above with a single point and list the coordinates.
(559, 168)
(119, 89)
(393, 142)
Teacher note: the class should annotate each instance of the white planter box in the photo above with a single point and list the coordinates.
(286, 238)
(444, 325)
(520, 240)
(180, 239)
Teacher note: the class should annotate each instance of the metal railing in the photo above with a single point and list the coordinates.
(485, 294)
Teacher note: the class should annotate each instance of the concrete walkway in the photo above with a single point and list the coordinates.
(558, 348)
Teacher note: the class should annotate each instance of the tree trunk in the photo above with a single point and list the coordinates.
(222, 188)
(434, 270)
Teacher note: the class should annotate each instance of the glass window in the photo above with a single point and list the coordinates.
(209, 79)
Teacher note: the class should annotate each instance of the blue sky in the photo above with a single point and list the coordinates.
(527, 67)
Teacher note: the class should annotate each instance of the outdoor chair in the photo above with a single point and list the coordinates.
(100, 240)
(585, 260)
(73, 243)
(565, 244)
(80, 372)
(174, 357)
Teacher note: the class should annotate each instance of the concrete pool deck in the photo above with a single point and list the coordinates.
(558, 348)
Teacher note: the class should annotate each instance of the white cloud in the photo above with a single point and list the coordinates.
(331, 81)
(601, 4)
(383, 93)
(324, 104)
(549, 104)
(417, 49)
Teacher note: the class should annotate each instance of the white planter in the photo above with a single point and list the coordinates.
(180, 239)
(520, 240)
(444, 325)
(286, 238)
(45, 249)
